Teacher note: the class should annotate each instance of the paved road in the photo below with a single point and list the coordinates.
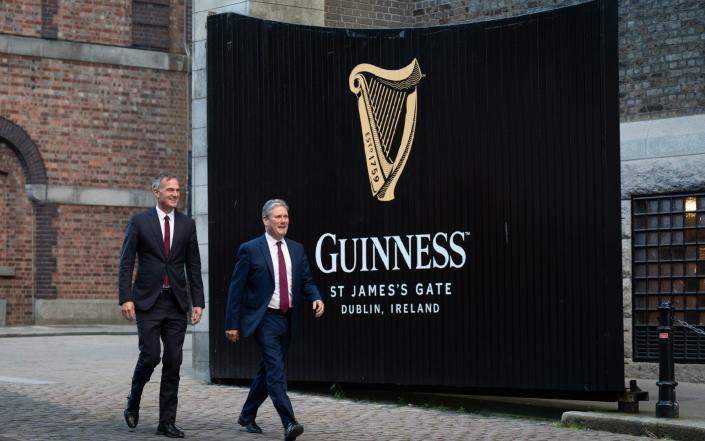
(74, 388)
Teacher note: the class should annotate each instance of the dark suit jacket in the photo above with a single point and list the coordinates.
(143, 237)
(252, 285)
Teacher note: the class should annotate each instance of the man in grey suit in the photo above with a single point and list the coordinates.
(168, 280)
(270, 280)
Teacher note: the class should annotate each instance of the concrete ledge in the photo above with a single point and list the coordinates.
(686, 429)
(662, 175)
(92, 53)
(75, 195)
(73, 311)
(7, 271)
(663, 138)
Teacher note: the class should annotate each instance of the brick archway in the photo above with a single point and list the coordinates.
(44, 213)
(26, 150)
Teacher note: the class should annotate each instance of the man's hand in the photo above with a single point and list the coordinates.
(196, 313)
(233, 335)
(128, 310)
(318, 308)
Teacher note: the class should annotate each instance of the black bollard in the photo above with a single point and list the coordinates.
(667, 406)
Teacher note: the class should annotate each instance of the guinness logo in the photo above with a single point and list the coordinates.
(386, 102)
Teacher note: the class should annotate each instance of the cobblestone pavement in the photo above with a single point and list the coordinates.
(74, 388)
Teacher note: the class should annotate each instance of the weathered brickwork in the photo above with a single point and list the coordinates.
(98, 125)
(15, 239)
(661, 43)
(661, 58)
(21, 17)
(80, 125)
(95, 22)
(367, 14)
(88, 250)
(441, 12)
(149, 23)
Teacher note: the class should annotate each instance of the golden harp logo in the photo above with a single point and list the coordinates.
(386, 102)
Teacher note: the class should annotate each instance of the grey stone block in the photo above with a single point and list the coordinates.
(200, 347)
(199, 55)
(92, 53)
(200, 171)
(199, 116)
(7, 271)
(3, 312)
(199, 25)
(203, 250)
(199, 142)
(688, 144)
(76, 311)
(202, 372)
(202, 228)
(626, 219)
(200, 199)
(199, 83)
(663, 175)
(626, 257)
(634, 149)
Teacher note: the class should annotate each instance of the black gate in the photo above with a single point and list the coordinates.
(456, 189)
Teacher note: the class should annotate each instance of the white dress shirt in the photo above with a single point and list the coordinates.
(272, 243)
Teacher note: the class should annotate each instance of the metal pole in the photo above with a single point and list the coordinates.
(667, 406)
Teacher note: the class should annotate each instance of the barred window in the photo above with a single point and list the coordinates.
(668, 264)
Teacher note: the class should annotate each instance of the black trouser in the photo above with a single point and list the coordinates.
(165, 321)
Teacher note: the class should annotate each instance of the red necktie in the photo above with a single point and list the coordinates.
(283, 283)
(167, 246)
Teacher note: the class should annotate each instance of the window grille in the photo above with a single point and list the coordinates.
(668, 264)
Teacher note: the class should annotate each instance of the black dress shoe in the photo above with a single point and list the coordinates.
(169, 430)
(292, 431)
(132, 414)
(250, 425)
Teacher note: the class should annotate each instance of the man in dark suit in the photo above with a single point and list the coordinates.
(267, 289)
(164, 241)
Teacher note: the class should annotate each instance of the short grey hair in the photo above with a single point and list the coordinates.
(157, 180)
(270, 204)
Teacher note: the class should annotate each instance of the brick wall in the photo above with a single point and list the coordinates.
(150, 27)
(21, 17)
(367, 14)
(84, 125)
(441, 12)
(105, 22)
(88, 250)
(661, 43)
(15, 239)
(98, 125)
(155, 24)
(662, 58)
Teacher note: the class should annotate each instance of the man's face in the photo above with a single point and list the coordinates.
(168, 194)
(277, 223)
